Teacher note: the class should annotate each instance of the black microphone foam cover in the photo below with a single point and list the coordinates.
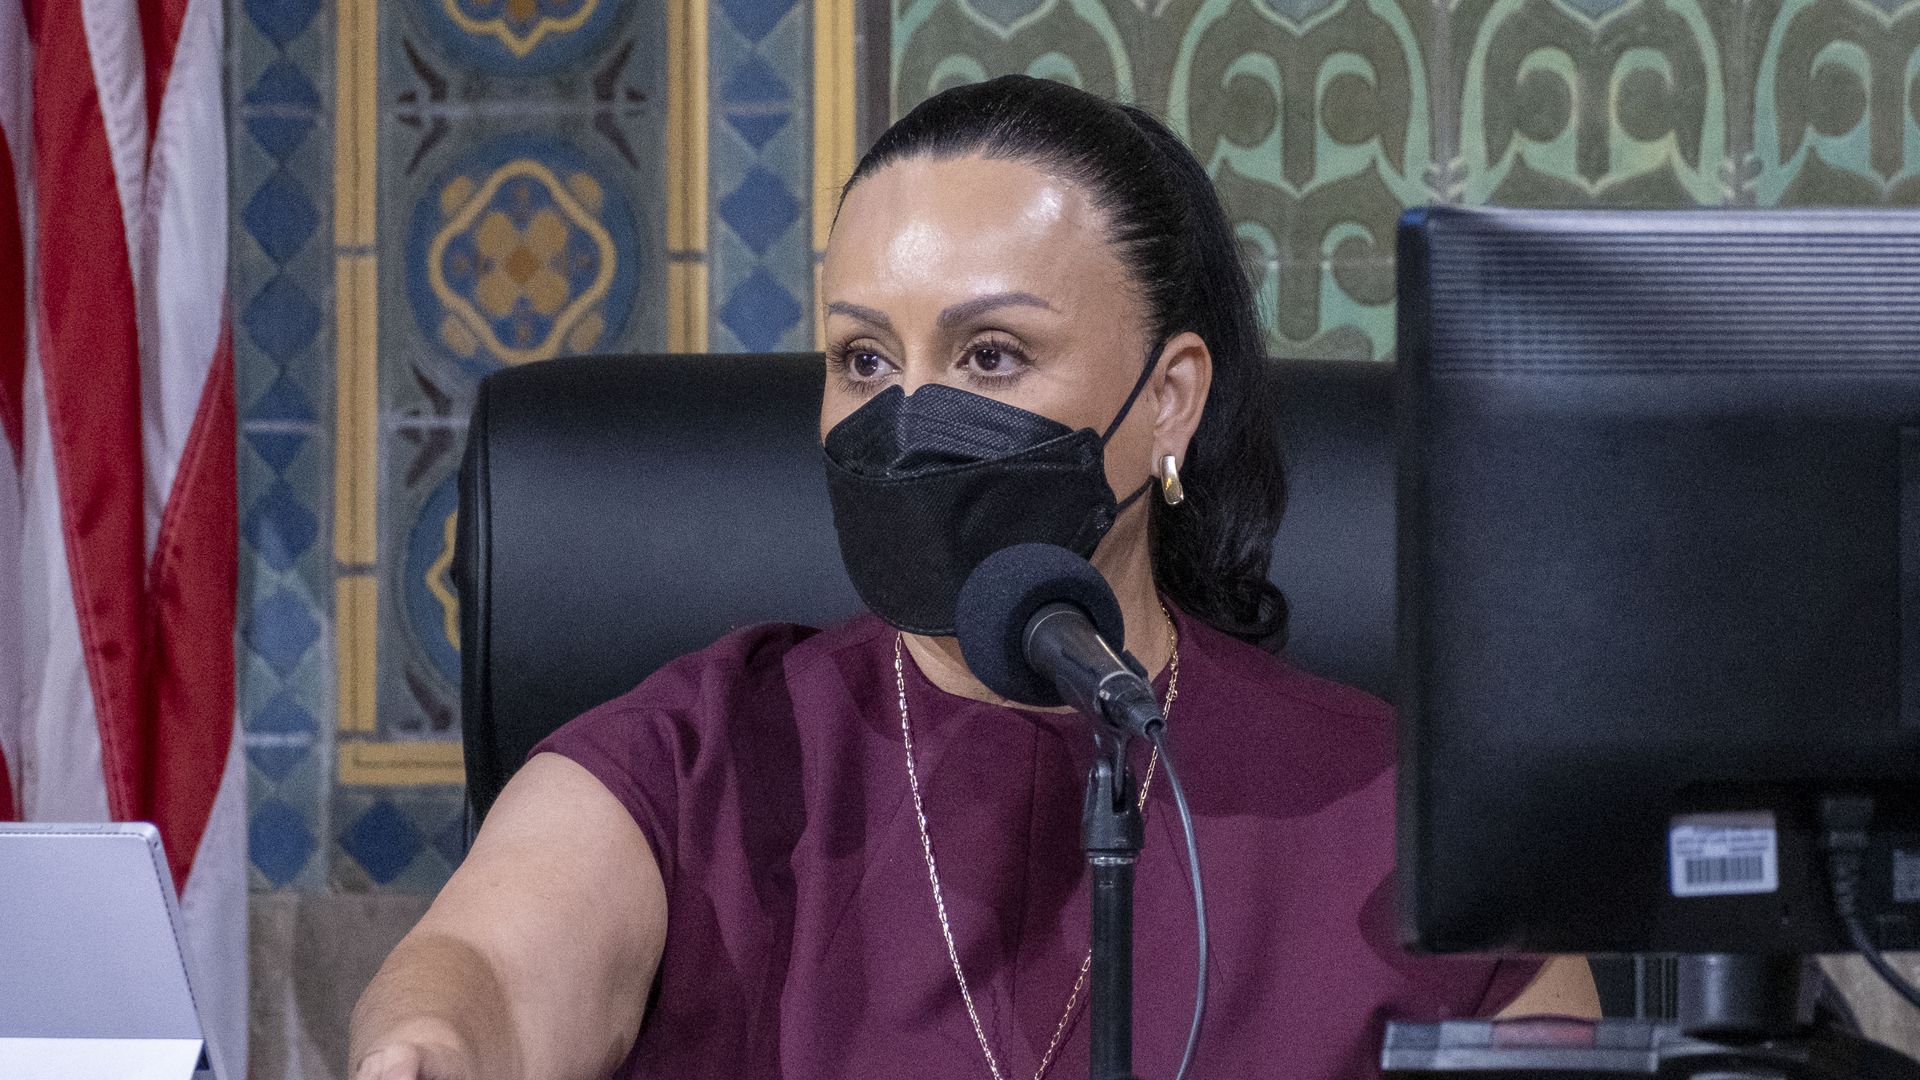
(1002, 595)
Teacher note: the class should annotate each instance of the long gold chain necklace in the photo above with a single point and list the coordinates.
(933, 874)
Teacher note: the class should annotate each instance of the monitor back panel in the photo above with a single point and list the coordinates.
(1659, 542)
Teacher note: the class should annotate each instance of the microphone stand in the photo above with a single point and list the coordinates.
(1111, 833)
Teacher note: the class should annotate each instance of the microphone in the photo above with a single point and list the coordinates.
(1039, 625)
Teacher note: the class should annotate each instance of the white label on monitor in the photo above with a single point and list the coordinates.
(1724, 854)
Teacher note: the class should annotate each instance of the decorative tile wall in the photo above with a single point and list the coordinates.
(1321, 119)
(282, 280)
(425, 191)
(521, 176)
(1836, 103)
(760, 159)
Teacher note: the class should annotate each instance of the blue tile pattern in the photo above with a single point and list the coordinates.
(756, 102)
(280, 146)
(382, 841)
(280, 527)
(755, 18)
(283, 108)
(432, 611)
(282, 319)
(577, 87)
(279, 842)
(280, 629)
(281, 20)
(419, 677)
(521, 171)
(276, 447)
(760, 173)
(280, 217)
(760, 313)
(760, 210)
(396, 839)
(284, 403)
(281, 735)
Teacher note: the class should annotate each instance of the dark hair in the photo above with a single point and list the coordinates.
(1211, 553)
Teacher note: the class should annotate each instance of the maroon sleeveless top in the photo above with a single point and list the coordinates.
(768, 773)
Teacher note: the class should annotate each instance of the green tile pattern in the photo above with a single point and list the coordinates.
(1320, 120)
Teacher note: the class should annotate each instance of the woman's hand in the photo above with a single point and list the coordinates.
(416, 1059)
(436, 1011)
(1564, 987)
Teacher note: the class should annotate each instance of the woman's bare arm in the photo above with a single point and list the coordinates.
(1564, 987)
(536, 958)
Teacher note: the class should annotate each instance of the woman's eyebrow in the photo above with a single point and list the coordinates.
(871, 316)
(979, 305)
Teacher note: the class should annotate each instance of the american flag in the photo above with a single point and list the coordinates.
(117, 520)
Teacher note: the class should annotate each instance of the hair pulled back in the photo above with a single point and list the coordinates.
(1211, 553)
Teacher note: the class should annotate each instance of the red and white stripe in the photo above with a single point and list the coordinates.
(117, 518)
(16, 230)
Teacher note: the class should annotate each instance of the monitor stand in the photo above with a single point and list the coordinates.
(1740, 1017)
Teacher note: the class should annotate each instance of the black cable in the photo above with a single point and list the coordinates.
(1843, 835)
(1159, 738)
(1857, 931)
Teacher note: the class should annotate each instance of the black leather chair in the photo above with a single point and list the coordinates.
(616, 512)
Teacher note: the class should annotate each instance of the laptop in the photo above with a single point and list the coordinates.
(92, 981)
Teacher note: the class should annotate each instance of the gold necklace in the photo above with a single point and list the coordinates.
(933, 875)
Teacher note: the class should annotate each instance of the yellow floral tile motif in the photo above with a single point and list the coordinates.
(440, 584)
(521, 263)
(519, 25)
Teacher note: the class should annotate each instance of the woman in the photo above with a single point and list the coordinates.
(820, 854)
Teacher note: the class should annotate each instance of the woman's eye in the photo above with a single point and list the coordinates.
(859, 370)
(988, 358)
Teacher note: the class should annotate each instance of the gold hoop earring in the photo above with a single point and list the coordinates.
(1170, 489)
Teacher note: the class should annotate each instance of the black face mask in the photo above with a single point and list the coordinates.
(924, 486)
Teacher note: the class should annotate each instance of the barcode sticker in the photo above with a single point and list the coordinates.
(1724, 854)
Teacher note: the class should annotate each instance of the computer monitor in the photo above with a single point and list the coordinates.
(1659, 576)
